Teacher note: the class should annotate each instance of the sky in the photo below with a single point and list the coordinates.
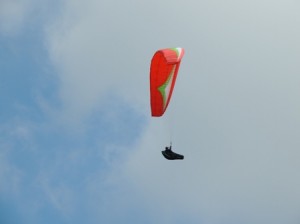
(78, 144)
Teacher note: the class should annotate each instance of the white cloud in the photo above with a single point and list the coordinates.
(234, 179)
(102, 49)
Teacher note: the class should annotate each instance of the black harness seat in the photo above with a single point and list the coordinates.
(170, 155)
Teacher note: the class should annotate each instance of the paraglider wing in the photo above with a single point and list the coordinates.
(163, 73)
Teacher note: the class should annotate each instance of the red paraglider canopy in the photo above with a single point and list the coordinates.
(163, 73)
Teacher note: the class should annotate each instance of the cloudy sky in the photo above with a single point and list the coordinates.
(78, 144)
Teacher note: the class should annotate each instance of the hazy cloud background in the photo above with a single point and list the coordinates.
(77, 143)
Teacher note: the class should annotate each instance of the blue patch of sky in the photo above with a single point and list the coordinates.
(24, 66)
(54, 160)
(8, 213)
(26, 72)
(116, 121)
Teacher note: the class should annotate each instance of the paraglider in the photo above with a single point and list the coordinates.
(163, 73)
(170, 155)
